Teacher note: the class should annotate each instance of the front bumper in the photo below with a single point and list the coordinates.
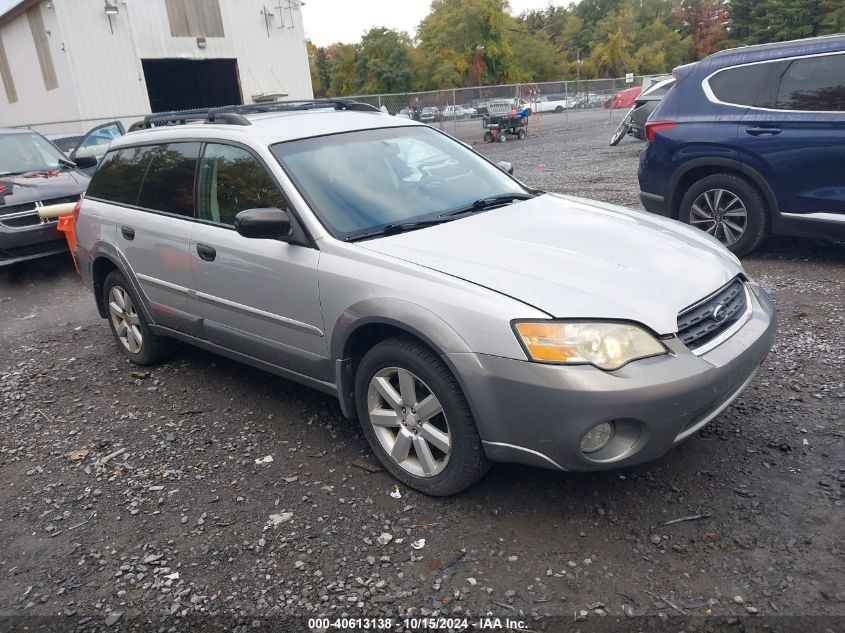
(18, 244)
(537, 414)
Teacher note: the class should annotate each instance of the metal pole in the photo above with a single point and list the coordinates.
(454, 112)
(566, 98)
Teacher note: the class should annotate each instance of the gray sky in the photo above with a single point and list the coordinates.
(329, 21)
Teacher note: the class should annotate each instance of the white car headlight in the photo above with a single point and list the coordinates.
(606, 345)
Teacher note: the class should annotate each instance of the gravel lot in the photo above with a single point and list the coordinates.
(132, 497)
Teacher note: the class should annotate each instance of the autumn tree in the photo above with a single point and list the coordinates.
(383, 63)
(455, 29)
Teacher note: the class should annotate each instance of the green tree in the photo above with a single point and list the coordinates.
(451, 33)
(319, 67)
(343, 69)
(535, 56)
(383, 63)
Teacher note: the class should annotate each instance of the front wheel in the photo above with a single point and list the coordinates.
(621, 131)
(416, 418)
(521, 134)
(488, 137)
(729, 208)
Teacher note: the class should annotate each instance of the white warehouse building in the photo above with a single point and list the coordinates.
(64, 60)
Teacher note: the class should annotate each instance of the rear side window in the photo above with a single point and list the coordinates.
(169, 183)
(751, 85)
(119, 175)
(233, 180)
(813, 83)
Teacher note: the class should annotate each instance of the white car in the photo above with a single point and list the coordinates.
(455, 113)
(549, 103)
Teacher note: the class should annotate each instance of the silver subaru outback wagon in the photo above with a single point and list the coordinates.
(462, 317)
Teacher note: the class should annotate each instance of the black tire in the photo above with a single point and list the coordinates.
(620, 132)
(559, 109)
(521, 134)
(467, 462)
(153, 349)
(488, 137)
(757, 224)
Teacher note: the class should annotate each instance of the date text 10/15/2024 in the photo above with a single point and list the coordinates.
(416, 624)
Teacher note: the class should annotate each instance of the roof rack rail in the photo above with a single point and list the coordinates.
(234, 114)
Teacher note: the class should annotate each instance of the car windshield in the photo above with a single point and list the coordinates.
(358, 182)
(22, 153)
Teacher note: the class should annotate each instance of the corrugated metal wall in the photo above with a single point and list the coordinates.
(97, 59)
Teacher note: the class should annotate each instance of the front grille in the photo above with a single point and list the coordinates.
(708, 318)
(23, 215)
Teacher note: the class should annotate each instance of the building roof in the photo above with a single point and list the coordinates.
(14, 9)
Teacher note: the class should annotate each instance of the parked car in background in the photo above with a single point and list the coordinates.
(33, 173)
(646, 103)
(430, 114)
(388, 264)
(549, 103)
(624, 99)
(470, 111)
(751, 141)
(455, 113)
(65, 142)
(586, 101)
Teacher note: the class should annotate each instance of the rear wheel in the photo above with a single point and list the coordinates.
(729, 208)
(488, 137)
(521, 134)
(559, 109)
(127, 323)
(416, 418)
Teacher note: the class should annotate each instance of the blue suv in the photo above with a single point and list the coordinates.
(751, 141)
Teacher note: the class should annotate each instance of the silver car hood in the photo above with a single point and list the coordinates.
(575, 258)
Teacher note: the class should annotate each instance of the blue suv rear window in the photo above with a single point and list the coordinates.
(750, 85)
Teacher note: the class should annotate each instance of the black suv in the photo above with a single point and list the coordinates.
(35, 173)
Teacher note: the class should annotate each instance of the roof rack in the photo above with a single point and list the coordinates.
(234, 114)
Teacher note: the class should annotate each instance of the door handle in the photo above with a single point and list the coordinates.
(206, 252)
(763, 131)
(128, 232)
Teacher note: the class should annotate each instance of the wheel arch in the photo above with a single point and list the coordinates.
(105, 259)
(369, 322)
(694, 170)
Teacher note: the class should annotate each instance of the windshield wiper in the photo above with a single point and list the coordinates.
(393, 229)
(488, 203)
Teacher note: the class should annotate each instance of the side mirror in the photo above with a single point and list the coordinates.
(84, 162)
(505, 167)
(263, 223)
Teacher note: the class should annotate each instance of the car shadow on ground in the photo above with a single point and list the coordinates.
(46, 270)
(798, 248)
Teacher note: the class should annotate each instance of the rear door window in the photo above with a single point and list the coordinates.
(169, 183)
(119, 176)
(233, 180)
(813, 83)
(751, 85)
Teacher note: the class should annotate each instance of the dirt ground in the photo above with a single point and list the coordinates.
(132, 499)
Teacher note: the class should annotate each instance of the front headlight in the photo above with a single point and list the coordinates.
(605, 345)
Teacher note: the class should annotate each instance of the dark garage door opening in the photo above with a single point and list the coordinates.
(185, 84)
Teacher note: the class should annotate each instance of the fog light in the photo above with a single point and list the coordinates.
(597, 437)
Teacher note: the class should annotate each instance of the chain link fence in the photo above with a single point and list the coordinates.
(555, 106)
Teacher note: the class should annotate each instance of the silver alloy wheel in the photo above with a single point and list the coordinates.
(125, 319)
(409, 422)
(720, 213)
